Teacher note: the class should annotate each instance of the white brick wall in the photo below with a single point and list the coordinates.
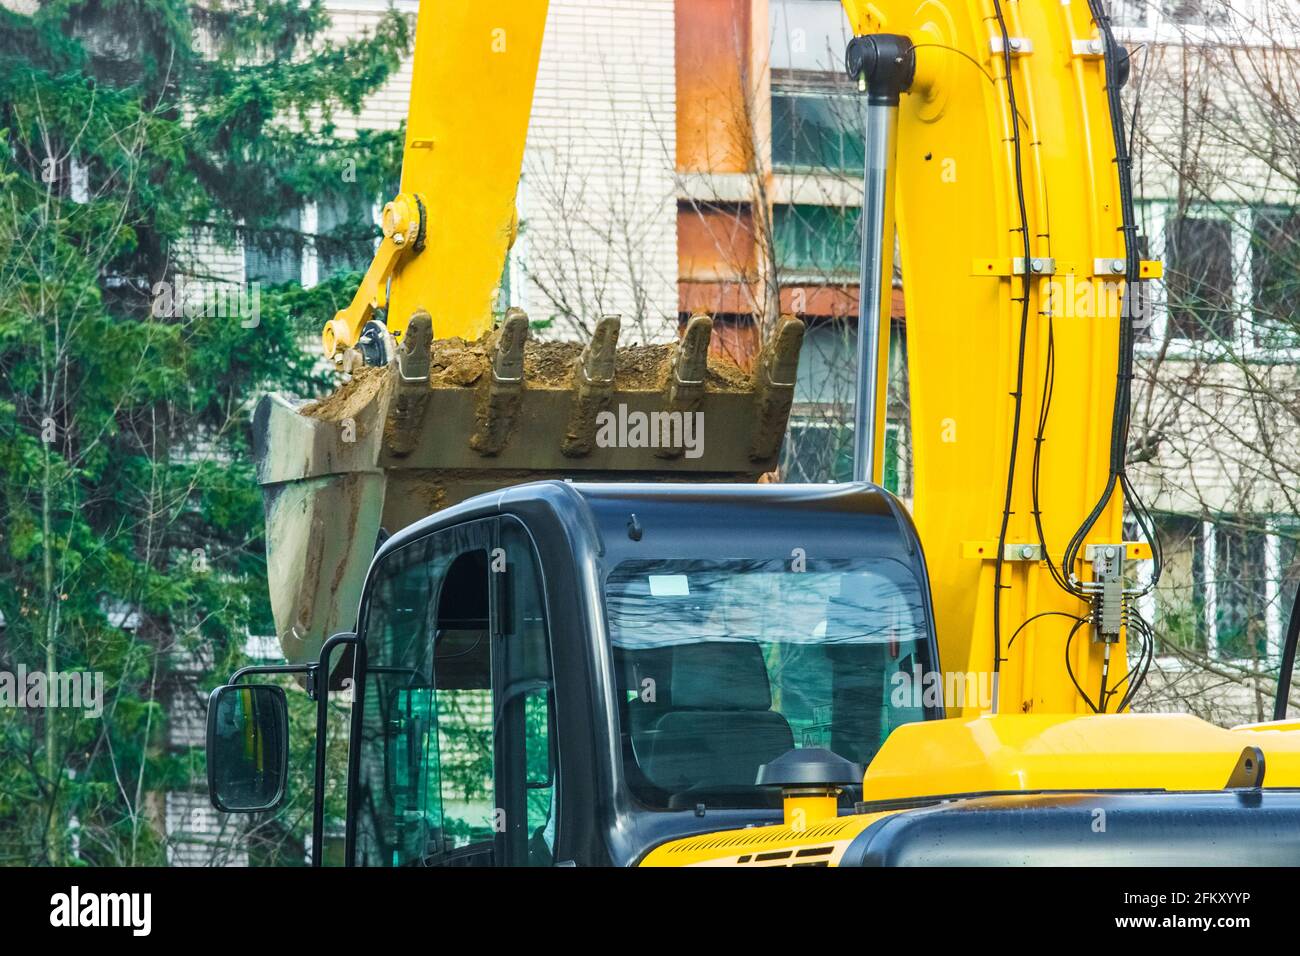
(205, 258)
(386, 108)
(597, 203)
(198, 835)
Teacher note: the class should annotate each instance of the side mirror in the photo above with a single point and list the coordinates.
(248, 747)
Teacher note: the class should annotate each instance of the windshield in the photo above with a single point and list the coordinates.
(725, 665)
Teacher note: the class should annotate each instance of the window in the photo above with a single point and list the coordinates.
(819, 443)
(274, 256)
(1200, 279)
(817, 451)
(817, 130)
(821, 451)
(820, 239)
(1128, 13)
(455, 756)
(1275, 278)
(1227, 586)
(1194, 12)
(525, 705)
(1232, 281)
(1170, 14)
(1180, 600)
(345, 236)
(726, 665)
(1240, 596)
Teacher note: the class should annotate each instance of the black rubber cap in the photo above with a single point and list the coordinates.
(886, 60)
(809, 767)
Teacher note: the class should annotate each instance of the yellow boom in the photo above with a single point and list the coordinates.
(447, 234)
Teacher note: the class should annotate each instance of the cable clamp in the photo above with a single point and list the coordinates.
(1019, 46)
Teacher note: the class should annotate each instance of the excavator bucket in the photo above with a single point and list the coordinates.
(448, 419)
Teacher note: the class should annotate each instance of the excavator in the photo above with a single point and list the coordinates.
(564, 646)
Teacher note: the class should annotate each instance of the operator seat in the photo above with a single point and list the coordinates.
(720, 726)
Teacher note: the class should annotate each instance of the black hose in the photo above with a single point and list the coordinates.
(1020, 360)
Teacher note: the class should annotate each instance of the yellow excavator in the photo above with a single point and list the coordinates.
(576, 631)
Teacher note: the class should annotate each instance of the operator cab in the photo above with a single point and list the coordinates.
(576, 673)
(648, 649)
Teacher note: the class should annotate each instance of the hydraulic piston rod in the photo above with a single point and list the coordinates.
(883, 66)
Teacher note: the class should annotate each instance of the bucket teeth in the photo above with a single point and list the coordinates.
(593, 386)
(774, 380)
(499, 402)
(686, 374)
(412, 393)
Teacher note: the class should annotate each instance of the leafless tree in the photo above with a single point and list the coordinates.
(1214, 90)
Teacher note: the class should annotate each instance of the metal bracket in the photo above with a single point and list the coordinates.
(1129, 550)
(1147, 268)
(1248, 774)
(1019, 45)
(1039, 266)
(1011, 551)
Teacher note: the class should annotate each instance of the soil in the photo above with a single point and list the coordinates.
(455, 363)
(638, 368)
(351, 398)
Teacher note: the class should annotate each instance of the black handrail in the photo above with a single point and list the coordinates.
(322, 711)
(1288, 661)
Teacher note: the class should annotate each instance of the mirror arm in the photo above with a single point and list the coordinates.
(269, 669)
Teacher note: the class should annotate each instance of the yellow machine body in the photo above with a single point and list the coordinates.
(1001, 754)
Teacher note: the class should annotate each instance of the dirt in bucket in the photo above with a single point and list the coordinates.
(638, 368)
(455, 363)
(351, 398)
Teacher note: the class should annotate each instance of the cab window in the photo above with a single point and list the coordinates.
(455, 763)
(724, 666)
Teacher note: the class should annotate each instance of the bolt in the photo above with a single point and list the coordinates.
(1117, 266)
(1038, 265)
(1026, 551)
(399, 238)
(1015, 44)
(1110, 552)
(1094, 46)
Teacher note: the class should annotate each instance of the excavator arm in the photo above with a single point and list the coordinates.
(445, 237)
(1003, 181)
(1018, 263)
